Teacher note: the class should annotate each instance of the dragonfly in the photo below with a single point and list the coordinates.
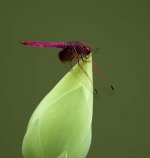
(74, 50)
(70, 50)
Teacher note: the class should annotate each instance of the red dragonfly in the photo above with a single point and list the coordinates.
(70, 51)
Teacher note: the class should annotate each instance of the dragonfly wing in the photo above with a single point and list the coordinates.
(101, 80)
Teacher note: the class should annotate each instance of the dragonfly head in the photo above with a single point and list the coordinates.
(87, 48)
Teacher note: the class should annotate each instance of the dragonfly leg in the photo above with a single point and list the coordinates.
(73, 57)
(78, 59)
(95, 89)
(82, 58)
(70, 64)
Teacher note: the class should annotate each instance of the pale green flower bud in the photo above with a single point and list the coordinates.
(60, 127)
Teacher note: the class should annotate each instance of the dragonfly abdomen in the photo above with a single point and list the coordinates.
(45, 44)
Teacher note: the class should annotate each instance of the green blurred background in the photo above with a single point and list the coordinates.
(121, 127)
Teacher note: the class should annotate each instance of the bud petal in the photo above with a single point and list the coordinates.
(60, 127)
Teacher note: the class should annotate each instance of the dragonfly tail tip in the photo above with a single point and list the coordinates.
(23, 42)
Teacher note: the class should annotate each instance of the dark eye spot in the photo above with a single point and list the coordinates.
(86, 48)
